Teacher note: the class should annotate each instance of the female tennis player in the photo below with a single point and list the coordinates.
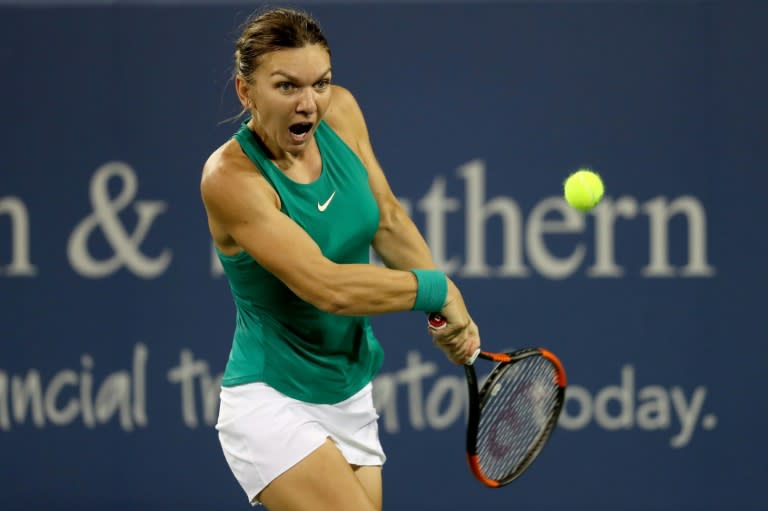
(294, 201)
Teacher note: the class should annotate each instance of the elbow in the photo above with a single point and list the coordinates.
(391, 215)
(330, 301)
(336, 302)
(391, 212)
(325, 291)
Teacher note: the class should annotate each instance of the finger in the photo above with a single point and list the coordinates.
(472, 357)
(453, 353)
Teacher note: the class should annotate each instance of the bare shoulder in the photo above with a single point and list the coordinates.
(228, 174)
(345, 117)
(343, 104)
(226, 160)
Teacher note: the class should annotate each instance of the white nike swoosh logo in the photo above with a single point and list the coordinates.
(324, 205)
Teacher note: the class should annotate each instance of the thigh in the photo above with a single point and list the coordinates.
(370, 478)
(323, 481)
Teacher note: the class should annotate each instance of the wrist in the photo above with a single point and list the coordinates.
(431, 290)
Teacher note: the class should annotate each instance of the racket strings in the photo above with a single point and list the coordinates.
(515, 417)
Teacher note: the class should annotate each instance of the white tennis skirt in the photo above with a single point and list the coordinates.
(263, 433)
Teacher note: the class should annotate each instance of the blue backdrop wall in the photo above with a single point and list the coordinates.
(115, 322)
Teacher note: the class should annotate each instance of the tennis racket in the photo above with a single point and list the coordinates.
(514, 414)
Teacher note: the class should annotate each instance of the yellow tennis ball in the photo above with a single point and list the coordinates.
(583, 189)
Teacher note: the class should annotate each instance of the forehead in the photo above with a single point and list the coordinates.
(309, 62)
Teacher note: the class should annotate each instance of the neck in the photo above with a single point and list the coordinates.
(283, 159)
(301, 166)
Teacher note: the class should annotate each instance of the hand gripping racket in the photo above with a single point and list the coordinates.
(515, 412)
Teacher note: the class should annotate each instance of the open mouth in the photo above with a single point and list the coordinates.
(300, 130)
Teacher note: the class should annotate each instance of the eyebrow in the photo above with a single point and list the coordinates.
(295, 79)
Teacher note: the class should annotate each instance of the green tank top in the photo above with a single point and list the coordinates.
(280, 339)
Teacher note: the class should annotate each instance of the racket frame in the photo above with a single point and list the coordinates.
(478, 398)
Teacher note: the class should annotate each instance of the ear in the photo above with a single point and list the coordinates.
(242, 88)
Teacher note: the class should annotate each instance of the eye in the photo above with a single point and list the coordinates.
(285, 86)
(323, 84)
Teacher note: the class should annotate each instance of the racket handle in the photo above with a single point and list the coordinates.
(437, 322)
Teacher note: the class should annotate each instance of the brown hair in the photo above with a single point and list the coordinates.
(273, 30)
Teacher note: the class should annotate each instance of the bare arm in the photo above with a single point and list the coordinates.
(397, 241)
(243, 209)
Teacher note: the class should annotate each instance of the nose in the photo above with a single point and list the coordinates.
(307, 103)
